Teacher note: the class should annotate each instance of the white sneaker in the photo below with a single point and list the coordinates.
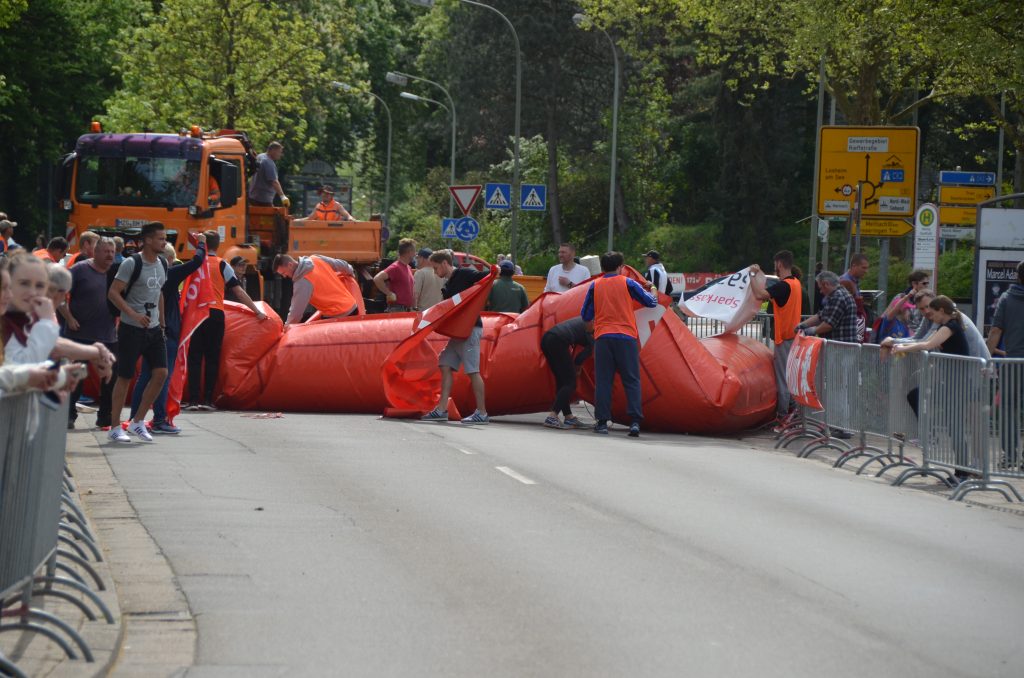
(138, 428)
(117, 435)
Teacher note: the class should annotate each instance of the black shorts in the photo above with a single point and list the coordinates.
(133, 342)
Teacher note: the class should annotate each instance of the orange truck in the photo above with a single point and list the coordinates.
(191, 182)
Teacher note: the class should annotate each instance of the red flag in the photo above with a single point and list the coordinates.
(801, 369)
(195, 308)
(410, 373)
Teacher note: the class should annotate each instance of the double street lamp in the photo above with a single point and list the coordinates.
(387, 169)
(402, 79)
(519, 82)
(582, 20)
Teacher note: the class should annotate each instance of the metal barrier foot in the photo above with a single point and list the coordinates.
(1000, 486)
(876, 457)
(921, 471)
(68, 541)
(896, 464)
(856, 453)
(80, 536)
(84, 590)
(822, 443)
(65, 596)
(8, 668)
(70, 571)
(84, 564)
(73, 518)
(43, 631)
(42, 616)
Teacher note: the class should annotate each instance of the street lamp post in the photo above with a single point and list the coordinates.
(519, 97)
(402, 79)
(387, 166)
(580, 20)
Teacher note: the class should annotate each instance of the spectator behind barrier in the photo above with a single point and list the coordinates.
(15, 378)
(837, 319)
(1008, 320)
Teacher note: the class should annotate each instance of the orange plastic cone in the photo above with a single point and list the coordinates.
(453, 411)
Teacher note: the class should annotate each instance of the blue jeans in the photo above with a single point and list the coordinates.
(611, 355)
(160, 406)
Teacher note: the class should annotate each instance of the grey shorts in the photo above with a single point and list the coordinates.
(465, 352)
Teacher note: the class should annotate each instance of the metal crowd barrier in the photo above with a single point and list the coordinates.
(42, 531)
(760, 328)
(969, 421)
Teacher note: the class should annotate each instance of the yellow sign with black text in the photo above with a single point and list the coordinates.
(883, 160)
(958, 216)
(965, 195)
(885, 228)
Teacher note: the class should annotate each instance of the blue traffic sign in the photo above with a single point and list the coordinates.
(448, 228)
(533, 197)
(958, 178)
(892, 176)
(498, 196)
(467, 229)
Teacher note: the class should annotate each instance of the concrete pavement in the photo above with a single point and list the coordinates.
(318, 545)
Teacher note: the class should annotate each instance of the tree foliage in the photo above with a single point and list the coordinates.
(244, 65)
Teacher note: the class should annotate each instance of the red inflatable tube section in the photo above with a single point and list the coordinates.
(717, 385)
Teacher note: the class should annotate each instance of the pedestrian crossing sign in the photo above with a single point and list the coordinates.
(498, 196)
(533, 197)
(448, 228)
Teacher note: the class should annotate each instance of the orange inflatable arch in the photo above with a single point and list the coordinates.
(715, 385)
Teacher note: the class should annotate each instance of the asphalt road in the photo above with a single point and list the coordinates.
(346, 545)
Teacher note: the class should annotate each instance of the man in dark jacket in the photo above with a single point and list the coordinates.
(1008, 327)
(176, 275)
(557, 345)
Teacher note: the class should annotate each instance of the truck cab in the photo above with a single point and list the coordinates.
(195, 181)
(115, 183)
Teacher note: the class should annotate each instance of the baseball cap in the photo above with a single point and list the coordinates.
(653, 254)
(7, 223)
(507, 266)
(425, 253)
(326, 188)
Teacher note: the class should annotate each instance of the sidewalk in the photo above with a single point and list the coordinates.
(154, 633)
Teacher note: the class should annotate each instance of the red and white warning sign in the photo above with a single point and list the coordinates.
(465, 196)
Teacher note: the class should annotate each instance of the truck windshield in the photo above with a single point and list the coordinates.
(164, 182)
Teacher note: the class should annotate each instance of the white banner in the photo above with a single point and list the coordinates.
(728, 299)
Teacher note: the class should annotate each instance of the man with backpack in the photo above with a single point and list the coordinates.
(136, 294)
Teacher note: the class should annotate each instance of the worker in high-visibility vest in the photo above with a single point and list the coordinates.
(329, 209)
(86, 247)
(315, 283)
(54, 251)
(609, 306)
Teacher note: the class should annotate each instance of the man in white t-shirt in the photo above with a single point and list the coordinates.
(566, 274)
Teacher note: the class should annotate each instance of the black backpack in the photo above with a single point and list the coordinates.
(136, 272)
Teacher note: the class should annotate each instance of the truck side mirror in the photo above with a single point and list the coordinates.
(65, 173)
(226, 175)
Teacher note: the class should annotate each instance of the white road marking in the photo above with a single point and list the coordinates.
(464, 451)
(518, 476)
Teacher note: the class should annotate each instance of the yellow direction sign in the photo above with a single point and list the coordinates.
(958, 216)
(884, 228)
(884, 158)
(965, 195)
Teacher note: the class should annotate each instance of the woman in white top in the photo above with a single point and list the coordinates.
(15, 378)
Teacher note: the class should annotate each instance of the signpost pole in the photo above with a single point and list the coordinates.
(519, 99)
(811, 249)
(999, 153)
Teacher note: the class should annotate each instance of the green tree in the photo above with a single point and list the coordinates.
(246, 65)
(56, 63)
